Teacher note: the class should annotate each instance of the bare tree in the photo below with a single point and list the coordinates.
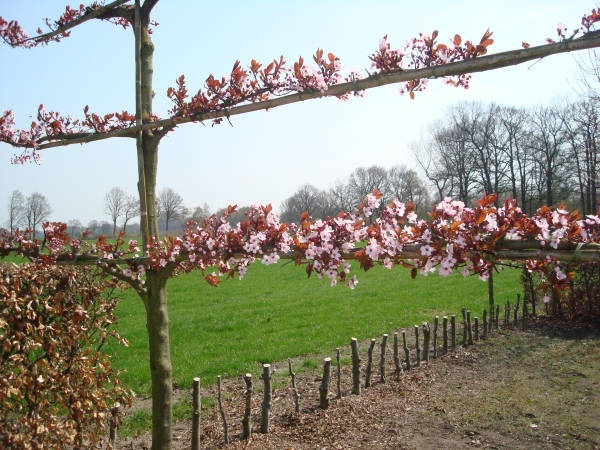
(75, 226)
(105, 227)
(448, 161)
(16, 210)
(549, 139)
(170, 206)
(406, 185)
(435, 165)
(582, 130)
(94, 226)
(341, 196)
(476, 125)
(515, 126)
(115, 203)
(306, 199)
(37, 209)
(130, 210)
(362, 181)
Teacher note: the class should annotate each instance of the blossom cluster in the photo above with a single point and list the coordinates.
(218, 245)
(588, 22)
(424, 51)
(257, 83)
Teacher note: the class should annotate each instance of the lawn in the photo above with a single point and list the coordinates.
(275, 313)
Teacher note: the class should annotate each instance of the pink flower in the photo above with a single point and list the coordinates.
(352, 282)
(427, 250)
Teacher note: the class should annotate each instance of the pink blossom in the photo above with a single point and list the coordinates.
(352, 282)
(270, 258)
(427, 250)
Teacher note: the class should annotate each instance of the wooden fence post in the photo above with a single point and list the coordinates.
(436, 322)
(485, 324)
(406, 351)
(517, 308)
(464, 334)
(267, 397)
(197, 406)
(294, 388)
(382, 374)
(426, 340)
(453, 331)
(369, 364)
(525, 311)
(476, 320)
(417, 345)
(497, 318)
(114, 423)
(469, 328)
(339, 373)
(355, 367)
(397, 354)
(491, 297)
(445, 336)
(222, 411)
(324, 387)
(246, 421)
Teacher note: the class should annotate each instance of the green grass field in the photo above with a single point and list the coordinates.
(275, 312)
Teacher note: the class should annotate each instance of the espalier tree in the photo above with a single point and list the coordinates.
(456, 237)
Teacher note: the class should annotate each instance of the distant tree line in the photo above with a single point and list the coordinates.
(540, 156)
(346, 194)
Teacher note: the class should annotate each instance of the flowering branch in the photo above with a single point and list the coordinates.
(12, 34)
(265, 87)
(456, 238)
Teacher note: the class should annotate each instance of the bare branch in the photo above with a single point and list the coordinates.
(479, 64)
(117, 272)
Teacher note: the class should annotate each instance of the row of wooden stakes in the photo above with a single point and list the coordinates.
(470, 333)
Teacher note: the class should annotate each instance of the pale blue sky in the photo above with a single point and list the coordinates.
(265, 156)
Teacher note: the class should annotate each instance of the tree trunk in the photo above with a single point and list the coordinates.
(157, 322)
(157, 318)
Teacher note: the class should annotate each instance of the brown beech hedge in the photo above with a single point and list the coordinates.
(56, 385)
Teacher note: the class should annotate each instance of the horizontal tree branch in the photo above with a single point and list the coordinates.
(479, 64)
(586, 253)
(89, 16)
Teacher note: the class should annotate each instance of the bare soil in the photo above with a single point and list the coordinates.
(538, 388)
